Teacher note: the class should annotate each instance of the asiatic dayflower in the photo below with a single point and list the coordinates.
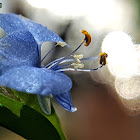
(20, 62)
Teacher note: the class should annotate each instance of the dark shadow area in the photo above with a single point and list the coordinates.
(30, 124)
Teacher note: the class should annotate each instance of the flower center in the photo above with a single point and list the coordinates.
(64, 63)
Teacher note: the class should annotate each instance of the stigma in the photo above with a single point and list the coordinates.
(73, 61)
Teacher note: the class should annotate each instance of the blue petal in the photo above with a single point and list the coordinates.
(65, 100)
(13, 23)
(41, 33)
(34, 80)
(18, 49)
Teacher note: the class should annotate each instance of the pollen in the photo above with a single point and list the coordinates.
(103, 57)
(87, 37)
(62, 44)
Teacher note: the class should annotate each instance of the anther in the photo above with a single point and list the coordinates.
(78, 57)
(102, 59)
(62, 44)
(78, 65)
(87, 37)
(59, 43)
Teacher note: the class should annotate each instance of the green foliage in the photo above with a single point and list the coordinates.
(21, 113)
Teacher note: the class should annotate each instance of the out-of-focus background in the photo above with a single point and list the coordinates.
(108, 100)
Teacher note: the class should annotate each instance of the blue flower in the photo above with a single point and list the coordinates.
(20, 62)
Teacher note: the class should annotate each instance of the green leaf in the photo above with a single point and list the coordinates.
(21, 113)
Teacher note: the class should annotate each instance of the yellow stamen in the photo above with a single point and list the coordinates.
(87, 37)
(103, 57)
